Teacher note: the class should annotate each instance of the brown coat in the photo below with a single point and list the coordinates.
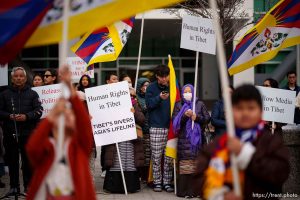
(267, 171)
(111, 150)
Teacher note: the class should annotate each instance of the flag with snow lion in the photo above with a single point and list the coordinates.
(278, 29)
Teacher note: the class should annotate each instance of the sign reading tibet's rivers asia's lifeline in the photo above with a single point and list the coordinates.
(111, 110)
(197, 34)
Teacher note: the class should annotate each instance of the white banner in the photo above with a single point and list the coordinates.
(198, 34)
(110, 107)
(49, 95)
(78, 68)
(3, 75)
(278, 104)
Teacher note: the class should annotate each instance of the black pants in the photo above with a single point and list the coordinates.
(13, 150)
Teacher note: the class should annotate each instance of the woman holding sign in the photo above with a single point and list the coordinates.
(189, 141)
(275, 127)
(132, 156)
(67, 176)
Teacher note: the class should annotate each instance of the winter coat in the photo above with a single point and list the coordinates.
(26, 101)
(159, 109)
(297, 110)
(218, 117)
(142, 102)
(268, 168)
(41, 153)
(111, 150)
(184, 146)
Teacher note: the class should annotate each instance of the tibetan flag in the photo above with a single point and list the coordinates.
(104, 44)
(18, 20)
(171, 148)
(87, 15)
(278, 29)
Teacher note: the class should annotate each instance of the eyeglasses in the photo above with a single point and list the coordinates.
(47, 76)
(267, 85)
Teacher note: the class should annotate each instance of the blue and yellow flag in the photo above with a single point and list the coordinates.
(278, 29)
(104, 44)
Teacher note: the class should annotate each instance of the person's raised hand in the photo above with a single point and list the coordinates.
(234, 145)
(58, 109)
(194, 116)
(66, 77)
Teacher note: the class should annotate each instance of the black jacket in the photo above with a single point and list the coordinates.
(159, 109)
(26, 101)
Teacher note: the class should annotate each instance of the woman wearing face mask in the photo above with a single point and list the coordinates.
(189, 140)
(132, 156)
(142, 85)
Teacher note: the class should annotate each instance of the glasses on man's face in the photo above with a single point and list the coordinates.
(267, 85)
(47, 76)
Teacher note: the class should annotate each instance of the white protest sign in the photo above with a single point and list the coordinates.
(49, 95)
(278, 105)
(198, 34)
(110, 107)
(3, 75)
(78, 68)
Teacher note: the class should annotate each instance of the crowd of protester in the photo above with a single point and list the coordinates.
(48, 175)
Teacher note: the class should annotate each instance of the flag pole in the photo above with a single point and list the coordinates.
(175, 177)
(121, 168)
(140, 52)
(195, 86)
(226, 94)
(62, 59)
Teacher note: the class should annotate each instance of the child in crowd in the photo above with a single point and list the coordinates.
(65, 177)
(262, 158)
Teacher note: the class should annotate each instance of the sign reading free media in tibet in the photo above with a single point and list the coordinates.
(197, 34)
(112, 119)
(278, 105)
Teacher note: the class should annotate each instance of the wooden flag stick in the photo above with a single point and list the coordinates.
(121, 168)
(63, 56)
(226, 94)
(140, 52)
(195, 85)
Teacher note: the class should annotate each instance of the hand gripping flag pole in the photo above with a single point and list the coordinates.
(226, 94)
(63, 57)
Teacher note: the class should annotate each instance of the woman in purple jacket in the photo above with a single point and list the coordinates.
(189, 140)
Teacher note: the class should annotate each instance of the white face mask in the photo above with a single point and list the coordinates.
(188, 96)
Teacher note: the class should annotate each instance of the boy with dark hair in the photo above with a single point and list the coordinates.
(158, 104)
(262, 158)
(111, 77)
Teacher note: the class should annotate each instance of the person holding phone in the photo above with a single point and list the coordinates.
(158, 104)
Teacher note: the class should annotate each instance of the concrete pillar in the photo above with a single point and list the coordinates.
(244, 77)
(210, 77)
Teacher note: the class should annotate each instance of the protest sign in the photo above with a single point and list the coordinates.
(198, 34)
(110, 107)
(78, 68)
(278, 105)
(3, 75)
(49, 95)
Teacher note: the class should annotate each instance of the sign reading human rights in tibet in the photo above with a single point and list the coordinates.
(278, 105)
(111, 110)
(197, 34)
